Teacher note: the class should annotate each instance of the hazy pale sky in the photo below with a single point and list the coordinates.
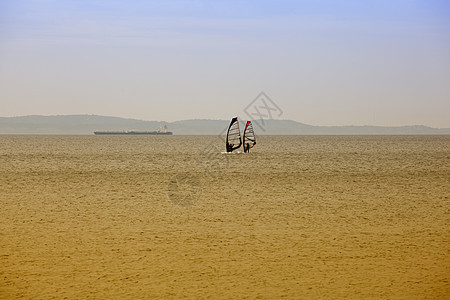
(323, 62)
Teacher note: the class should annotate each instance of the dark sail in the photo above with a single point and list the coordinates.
(249, 137)
(234, 140)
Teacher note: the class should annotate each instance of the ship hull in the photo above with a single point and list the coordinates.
(132, 133)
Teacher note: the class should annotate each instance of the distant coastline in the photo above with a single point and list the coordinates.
(87, 124)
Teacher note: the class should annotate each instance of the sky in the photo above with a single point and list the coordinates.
(321, 62)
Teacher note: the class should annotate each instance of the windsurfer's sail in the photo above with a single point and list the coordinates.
(234, 140)
(249, 137)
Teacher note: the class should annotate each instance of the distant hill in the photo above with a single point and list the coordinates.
(87, 124)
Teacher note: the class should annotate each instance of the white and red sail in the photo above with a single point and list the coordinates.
(249, 137)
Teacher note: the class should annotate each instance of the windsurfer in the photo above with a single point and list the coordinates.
(249, 137)
(234, 140)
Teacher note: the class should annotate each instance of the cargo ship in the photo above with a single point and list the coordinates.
(162, 130)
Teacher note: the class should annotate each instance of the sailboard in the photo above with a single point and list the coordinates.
(234, 140)
(249, 137)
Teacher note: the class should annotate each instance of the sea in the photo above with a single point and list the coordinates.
(171, 217)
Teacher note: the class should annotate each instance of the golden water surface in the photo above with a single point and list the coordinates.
(172, 217)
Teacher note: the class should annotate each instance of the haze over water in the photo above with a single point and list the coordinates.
(324, 62)
(173, 217)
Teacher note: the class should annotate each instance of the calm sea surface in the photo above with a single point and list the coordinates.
(175, 217)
